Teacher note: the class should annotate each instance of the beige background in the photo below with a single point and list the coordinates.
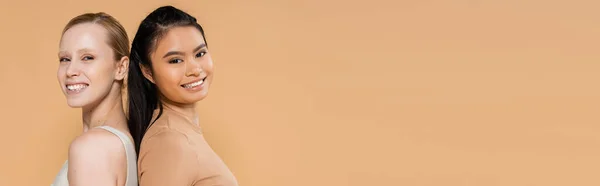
(436, 92)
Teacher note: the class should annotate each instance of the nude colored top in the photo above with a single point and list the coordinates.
(131, 180)
(174, 152)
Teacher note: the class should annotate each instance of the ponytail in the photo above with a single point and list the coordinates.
(143, 95)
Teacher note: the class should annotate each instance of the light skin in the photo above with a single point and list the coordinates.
(182, 69)
(91, 78)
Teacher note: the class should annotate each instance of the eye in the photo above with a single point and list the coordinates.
(200, 54)
(64, 59)
(175, 60)
(87, 58)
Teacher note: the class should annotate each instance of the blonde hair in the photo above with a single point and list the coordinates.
(117, 36)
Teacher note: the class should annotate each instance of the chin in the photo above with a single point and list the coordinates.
(76, 103)
(196, 98)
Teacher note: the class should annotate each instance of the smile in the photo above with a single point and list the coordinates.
(74, 88)
(194, 84)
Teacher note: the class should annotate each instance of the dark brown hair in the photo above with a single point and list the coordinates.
(143, 95)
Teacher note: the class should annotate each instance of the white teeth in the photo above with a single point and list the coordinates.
(76, 87)
(192, 85)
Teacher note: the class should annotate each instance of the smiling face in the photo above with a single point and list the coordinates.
(182, 67)
(88, 69)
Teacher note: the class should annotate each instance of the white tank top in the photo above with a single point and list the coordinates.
(131, 180)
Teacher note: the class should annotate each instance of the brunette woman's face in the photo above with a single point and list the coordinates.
(182, 67)
(88, 70)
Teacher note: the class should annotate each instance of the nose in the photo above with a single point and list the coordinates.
(193, 68)
(73, 69)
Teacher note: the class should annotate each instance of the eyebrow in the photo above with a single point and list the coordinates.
(83, 50)
(170, 53)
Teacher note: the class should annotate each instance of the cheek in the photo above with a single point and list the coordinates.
(208, 65)
(61, 73)
(101, 73)
(168, 77)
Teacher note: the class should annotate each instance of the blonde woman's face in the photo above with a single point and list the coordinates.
(88, 69)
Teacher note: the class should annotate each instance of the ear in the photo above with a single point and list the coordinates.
(147, 73)
(122, 68)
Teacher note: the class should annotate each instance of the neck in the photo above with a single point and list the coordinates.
(108, 112)
(187, 110)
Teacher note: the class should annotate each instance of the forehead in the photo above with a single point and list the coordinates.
(180, 39)
(85, 35)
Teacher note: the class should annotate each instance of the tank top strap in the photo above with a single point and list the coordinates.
(129, 153)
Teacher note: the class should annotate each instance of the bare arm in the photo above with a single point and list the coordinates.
(94, 159)
(167, 159)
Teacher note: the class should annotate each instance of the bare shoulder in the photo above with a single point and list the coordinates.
(94, 157)
(96, 144)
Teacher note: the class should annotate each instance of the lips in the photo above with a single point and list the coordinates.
(194, 84)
